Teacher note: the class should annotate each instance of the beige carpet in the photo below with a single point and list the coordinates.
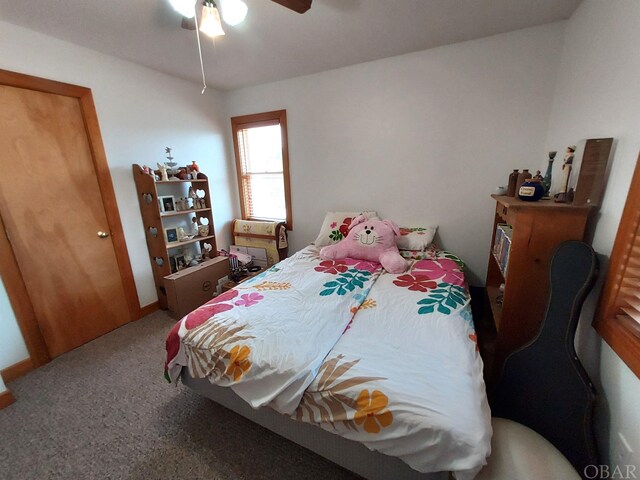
(105, 411)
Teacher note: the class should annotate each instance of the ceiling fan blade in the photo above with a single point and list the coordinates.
(299, 6)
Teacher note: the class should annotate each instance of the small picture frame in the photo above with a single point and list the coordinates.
(171, 234)
(167, 203)
(172, 264)
(181, 262)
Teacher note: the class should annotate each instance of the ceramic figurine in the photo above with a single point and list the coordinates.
(561, 197)
(163, 172)
(203, 230)
(194, 226)
(537, 176)
(181, 234)
(546, 181)
(194, 167)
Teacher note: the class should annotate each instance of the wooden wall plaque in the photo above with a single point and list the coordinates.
(590, 187)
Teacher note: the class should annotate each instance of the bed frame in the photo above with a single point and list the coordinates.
(351, 455)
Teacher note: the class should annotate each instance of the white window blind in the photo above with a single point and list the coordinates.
(627, 301)
(262, 172)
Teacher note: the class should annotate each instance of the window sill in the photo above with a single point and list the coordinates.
(623, 336)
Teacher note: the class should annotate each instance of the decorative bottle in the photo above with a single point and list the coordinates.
(522, 177)
(513, 179)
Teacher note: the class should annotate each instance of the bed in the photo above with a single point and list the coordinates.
(385, 365)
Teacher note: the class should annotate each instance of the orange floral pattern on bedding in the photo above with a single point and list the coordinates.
(370, 411)
(331, 403)
(238, 362)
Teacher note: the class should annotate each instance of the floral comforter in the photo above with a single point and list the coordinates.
(268, 337)
(406, 377)
(388, 360)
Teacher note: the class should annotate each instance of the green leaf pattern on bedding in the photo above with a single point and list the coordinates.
(445, 298)
(346, 282)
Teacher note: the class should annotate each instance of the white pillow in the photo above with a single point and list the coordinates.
(416, 238)
(335, 226)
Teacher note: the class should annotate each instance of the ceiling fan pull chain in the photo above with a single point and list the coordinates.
(204, 80)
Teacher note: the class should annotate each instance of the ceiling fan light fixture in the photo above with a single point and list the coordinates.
(233, 11)
(184, 7)
(210, 24)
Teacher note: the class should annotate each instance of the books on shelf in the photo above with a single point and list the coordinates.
(502, 246)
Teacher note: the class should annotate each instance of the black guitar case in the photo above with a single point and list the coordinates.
(543, 385)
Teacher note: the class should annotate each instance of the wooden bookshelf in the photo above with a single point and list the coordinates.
(538, 229)
(148, 192)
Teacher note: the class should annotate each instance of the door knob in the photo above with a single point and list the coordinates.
(103, 234)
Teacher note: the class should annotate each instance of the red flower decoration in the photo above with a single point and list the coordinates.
(332, 266)
(416, 283)
(209, 309)
(344, 228)
(172, 344)
(404, 231)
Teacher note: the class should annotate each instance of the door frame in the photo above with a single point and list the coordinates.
(9, 268)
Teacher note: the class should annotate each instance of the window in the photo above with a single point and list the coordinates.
(262, 163)
(618, 315)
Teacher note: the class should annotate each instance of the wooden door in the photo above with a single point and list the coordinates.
(53, 211)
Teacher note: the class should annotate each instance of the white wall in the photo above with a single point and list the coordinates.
(598, 95)
(140, 112)
(12, 347)
(421, 138)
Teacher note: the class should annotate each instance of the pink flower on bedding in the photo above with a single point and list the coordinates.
(415, 283)
(362, 264)
(195, 319)
(443, 270)
(249, 299)
(334, 225)
(209, 309)
(332, 266)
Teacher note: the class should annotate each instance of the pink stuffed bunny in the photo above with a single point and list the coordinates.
(372, 240)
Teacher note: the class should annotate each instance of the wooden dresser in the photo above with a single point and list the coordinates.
(537, 229)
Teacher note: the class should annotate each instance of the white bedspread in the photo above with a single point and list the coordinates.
(387, 360)
(406, 377)
(267, 338)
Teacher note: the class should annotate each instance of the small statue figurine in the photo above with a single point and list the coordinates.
(163, 172)
(167, 150)
(546, 181)
(181, 234)
(562, 197)
(194, 226)
(537, 177)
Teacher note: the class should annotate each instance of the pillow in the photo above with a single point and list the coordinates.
(336, 226)
(430, 253)
(416, 238)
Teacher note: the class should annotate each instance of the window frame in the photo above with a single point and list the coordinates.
(622, 335)
(276, 117)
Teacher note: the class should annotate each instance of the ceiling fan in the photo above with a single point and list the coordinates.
(233, 13)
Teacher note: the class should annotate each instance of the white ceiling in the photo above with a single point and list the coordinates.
(274, 43)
